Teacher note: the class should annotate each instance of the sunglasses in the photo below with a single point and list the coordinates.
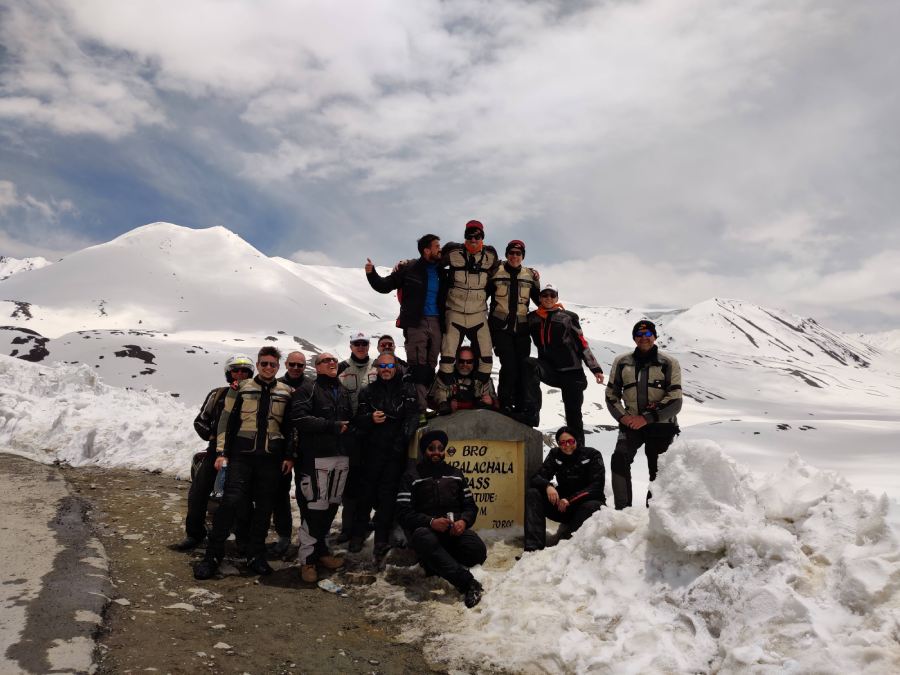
(240, 370)
(268, 364)
(465, 362)
(514, 252)
(386, 365)
(548, 294)
(474, 235)
(567, 442)
(386, 345)
(329, 359)
(435, 447)
(296, 365)
(359, 343)
(643, 333)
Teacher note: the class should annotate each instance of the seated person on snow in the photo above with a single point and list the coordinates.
(463, 390)
(580, 478)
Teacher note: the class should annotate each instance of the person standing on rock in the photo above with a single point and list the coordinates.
(436, 508)
(471, 264)
(421, 287)
(237, 369)
(254, 436)
(562, 348)
(644, 396)
(511, 288)
(322, 413)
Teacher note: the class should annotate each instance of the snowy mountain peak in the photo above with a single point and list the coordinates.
(737, 325)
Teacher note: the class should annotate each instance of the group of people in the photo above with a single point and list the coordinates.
(344, 432)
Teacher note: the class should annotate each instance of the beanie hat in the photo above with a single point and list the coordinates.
(474, 225)
(643, 325)
(516, 244)
(433, 435)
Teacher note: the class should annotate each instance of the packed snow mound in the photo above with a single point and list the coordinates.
(66, 413)
(724, 573)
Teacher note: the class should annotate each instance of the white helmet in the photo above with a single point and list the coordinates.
(239, 361)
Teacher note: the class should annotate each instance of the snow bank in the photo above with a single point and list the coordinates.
(66, 413)
(724, 573)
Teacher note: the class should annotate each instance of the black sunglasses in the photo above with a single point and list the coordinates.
(474, 235)
(295, 365)
(359, 343)
(328, 359)
(548, 294)
(465, 361)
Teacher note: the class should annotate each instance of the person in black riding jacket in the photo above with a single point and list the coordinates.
(580, 478)
(436, 508)
(237, 368)
(387, 419)
(562, 348)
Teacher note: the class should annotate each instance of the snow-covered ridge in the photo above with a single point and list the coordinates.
(11, 266)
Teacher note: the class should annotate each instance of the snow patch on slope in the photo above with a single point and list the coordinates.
(10, 266)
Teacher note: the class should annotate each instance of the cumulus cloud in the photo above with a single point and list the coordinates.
(743, 146)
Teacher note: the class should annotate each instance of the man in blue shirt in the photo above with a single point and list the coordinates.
(421, 287)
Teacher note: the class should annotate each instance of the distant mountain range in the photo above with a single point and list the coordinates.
(163, 306)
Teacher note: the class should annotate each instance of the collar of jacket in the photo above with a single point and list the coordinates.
(327, 381)
(544, 313)
(262, 383)
(513, 271)
(294, 382)
(650, 356)
(360, 361)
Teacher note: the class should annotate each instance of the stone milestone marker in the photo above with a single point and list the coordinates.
(498, 456)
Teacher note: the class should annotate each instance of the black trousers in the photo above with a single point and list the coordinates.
(571, 383)
(538, 508)
(656, 439)
(354, 505)
(383, 472)
(252, 479)
(449, 556)
(281, 510)
(511, 350)
(198, 497)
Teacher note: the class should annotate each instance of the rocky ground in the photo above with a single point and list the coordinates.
(162, 620)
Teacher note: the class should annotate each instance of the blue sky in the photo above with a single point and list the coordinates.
(649, 152)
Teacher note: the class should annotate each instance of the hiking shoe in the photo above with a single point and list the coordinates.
(473, 594)
(356, 544)
(380, 550)
(260, 566)
(279, 547)
(205, 569)
(330, 562)
(308, 574)
(187, 544)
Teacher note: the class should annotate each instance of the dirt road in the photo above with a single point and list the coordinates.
(162, 620)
